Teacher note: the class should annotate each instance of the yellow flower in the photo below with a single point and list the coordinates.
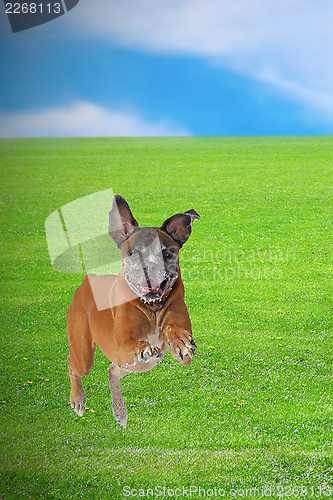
(29, 381)
(47, 380)
(279, 338)
(91, 410)
(25, 359)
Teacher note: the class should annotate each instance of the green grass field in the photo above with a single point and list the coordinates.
(255, 407)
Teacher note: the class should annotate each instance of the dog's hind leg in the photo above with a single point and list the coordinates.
(81, 357)
(77, 396)
(118, 404)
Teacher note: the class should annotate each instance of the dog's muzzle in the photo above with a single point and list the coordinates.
(150, 291)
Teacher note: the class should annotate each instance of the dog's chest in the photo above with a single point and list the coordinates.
(154, 337)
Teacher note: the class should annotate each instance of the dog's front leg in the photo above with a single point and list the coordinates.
(176, 327)
(130, 352)
(181, 342)
(131, 335)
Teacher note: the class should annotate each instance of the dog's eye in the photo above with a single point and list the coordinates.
(132, 252)
(167, 254)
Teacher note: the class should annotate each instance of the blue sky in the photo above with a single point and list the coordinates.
(173, 67)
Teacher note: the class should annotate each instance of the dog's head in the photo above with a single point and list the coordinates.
(149, 255)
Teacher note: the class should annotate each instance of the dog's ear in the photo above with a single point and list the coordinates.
(121, 220)
(179, 226)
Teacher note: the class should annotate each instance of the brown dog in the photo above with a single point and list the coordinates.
(146, 313)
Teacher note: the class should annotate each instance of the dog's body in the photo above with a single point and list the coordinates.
(147, 313)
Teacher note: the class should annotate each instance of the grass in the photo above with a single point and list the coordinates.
(255, 407)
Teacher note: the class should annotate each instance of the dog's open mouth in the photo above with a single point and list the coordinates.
(152, 292)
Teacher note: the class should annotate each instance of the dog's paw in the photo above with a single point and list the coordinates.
(182, 344)
(149, 353)
(78, 403)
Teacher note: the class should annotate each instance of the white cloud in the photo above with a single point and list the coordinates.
(83, 119)
(286, 43)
